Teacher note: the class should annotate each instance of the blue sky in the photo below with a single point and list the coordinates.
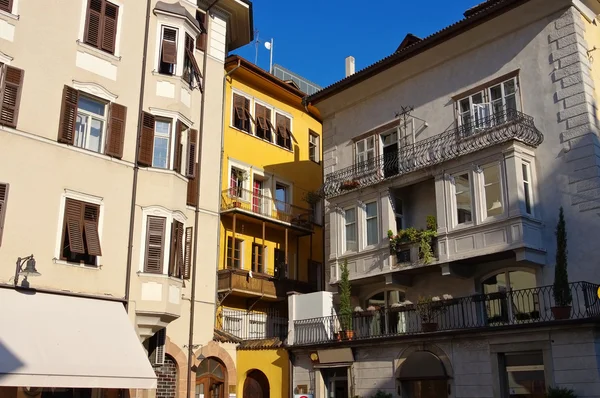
(313, 37)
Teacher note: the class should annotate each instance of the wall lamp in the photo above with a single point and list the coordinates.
(29, 269)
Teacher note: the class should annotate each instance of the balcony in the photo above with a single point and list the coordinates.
(481, 312)
(238, 281)
(266, 208)
(483, 132)
(252, 325)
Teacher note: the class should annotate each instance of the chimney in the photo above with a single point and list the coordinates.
(349, 66)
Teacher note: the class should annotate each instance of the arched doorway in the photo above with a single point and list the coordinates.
(423, 375)
(256, 385)
(210, 379)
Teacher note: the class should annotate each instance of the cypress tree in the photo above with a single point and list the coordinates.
(562, 290)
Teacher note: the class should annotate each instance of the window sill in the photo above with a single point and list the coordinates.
(261, 139)
(160, 276)
(98, 53)
(8, 15)
(165, 171)
(78, 265)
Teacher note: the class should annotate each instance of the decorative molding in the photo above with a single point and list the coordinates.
(95, 89)
(5, 58)
(172, 115)
(172, 15)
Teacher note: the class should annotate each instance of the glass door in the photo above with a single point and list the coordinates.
(390, 154)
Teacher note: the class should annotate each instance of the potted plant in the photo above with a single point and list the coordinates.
(349, 184)
(345, 307)
(426, 312)
(424, 237)
(560, 392)
(312, 197)
(561, 288)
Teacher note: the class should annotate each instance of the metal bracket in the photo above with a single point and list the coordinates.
(254, 303)
(221, 297)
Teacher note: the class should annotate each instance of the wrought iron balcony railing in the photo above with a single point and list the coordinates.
(483, 311)
(481, 132)
(260, 204)
(253, 325)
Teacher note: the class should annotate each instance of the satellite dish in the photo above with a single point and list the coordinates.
(268, 45)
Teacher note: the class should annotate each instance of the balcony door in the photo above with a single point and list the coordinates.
(511, 296)
(257, 196)
(390, 153)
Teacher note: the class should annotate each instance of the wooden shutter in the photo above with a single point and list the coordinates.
(260, 112)
(68, 116)
(169, 46)
(177, 158)
(3, 200)
(174, 269)
(191, 153)
(192, 190)
(187, 259)
(247, 110)
(202, 37)
(146, 149)
(109, 27)
(93, 23)
(281, 123)
(179, 248)
(238, 106)
(6, 5)
(74, 225)
(116, 130)
(90, 226)
(11, 87)
(155, 243)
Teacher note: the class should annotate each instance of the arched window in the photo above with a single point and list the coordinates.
(210, 379)
(509, 298)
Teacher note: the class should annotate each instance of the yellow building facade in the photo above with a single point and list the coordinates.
(271, 236)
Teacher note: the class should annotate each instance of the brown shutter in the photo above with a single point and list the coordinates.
(12, 85)
(247, 110)
(192, 190)
(177, 157)
(202, 37)
(3, 200)
(169, 46)
(116, 130)
(281, 123)
(6, 5)
(191, 153)
(74, 223)
(90, 226)
(179, 248)
(261, 116)
(146, 149)
(93, 24)
(109, 27)
(173, 266)
(68, 116)
(238, 105)
(187, 259)
(155, 242)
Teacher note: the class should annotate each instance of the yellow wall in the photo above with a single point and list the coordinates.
(275, 163)
(273, 363)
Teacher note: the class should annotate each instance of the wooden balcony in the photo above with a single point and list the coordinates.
(239, 283)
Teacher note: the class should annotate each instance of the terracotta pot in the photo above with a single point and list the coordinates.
(429, 327)
(237, 204)
(561, 312)
(349, 334)
(338, 336)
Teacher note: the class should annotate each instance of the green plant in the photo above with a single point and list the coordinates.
(562, 290)
(560, 392)
(312, 197)
(345, 292)
(382, 394)
(424, 237)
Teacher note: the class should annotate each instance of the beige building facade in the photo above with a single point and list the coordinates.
(109, 175)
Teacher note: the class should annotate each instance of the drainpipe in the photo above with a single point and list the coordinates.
(197, 211)
(136, 168)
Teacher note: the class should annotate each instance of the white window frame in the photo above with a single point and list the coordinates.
(365, 153)
(183, 26)
(240, 166)
(170, 216)
(366, 228)
(92, 199)
(316, 145)
(482, 195)
(454, 205)
(175, 117)
(263, 266)
(344, 225)
(290, 191)
(80, 37)
(242, 251)
(177, 42)
(90, 115)
(521, 178)
(170, 143)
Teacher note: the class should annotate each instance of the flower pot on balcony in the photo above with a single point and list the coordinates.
(237, 204)
(429, 327)
(349, 184)
(348, 334)
(338, 336)
(561, 312)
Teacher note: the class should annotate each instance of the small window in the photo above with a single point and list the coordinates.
(81, 239)
(372, 227)
(264, 128)
(234, 256)
(523, 374)
(241, 113)
(162, 137)
(526, 172)
(365, 151)
(313, 146)
(350, 235)
(100, 25)
(284, 131)
(462, 198)
(168, 51)
(257, 257)
(91, 123)
(6, 5)
(492, 191)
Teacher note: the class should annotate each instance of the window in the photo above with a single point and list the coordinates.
(6, 5)
(237, 182)
(101, 25)
(523, 374)
(191, 71)
(3, 200)
(526, 170)
(155, 244)
(90, 124)
(81, 240)
(372, 228)
(284, 131)
(168, 51)
(176, 250)
(462, 198)
(365, 151)
(162, 134)
(282, 197)
(10, 93)
(350, 234)
(234, 256)
(180, 247)
(201, 39)
(492, 191)
(264, 128)
(257, 257)
(241, 113)
(313, 146)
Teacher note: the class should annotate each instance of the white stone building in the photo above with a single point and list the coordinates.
(490, 126)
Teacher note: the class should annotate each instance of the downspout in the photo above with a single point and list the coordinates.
(136, 168)
(197, 210)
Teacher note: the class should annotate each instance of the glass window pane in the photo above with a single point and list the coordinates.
(95, 138)
(465, 106)
(372, 235)
(80, 130)
(372, 209)
(91, 105)
(525, 374)
(350, 216)
(360, 146)
(370, 142)
(161, 127)
(161, 146)
(477, 98)
(509, 87)
(492, 190)
(462, 184)
(350, 230)
(511, 102)
(496, 92)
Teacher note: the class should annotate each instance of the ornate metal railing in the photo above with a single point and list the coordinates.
(257, 203)
(516, 307)
(481, 132)
(253, 325)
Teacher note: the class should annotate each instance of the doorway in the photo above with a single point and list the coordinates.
(427, 388)
(390, 154)
(210, 379)
(336, 382)
(257, 196)
(423, 375)
(256, 385)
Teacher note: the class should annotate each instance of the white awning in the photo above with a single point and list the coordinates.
(50, 340)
